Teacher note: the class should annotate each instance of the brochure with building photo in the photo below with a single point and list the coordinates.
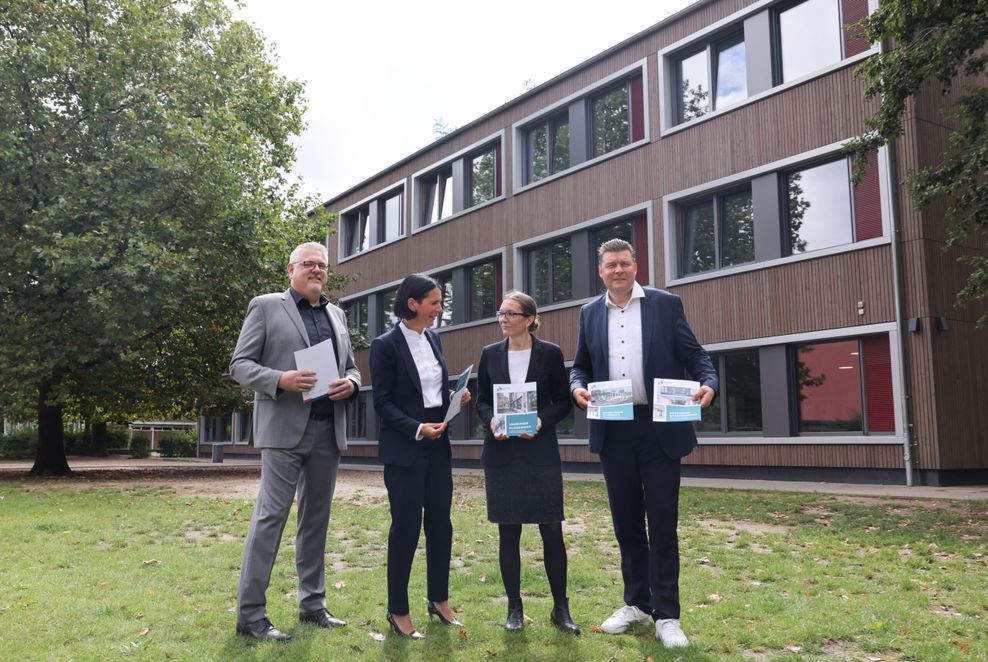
(515, 409)
(612, 401)
(672, 401)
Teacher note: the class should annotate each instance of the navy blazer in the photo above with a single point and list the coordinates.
(546, 369)
(398, 399)
(669, 348)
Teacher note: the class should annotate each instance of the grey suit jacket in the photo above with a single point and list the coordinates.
(273, 330)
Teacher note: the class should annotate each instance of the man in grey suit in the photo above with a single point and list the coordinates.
(300, 442)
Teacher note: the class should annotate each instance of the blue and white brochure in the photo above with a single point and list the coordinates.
(516, 409)
(612, 400)
(672, 401)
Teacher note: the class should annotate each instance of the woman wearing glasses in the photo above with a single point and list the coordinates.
(411, 396)
(523, 474)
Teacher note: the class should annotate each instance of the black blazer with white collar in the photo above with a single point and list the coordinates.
(546, 369)
(398, 398)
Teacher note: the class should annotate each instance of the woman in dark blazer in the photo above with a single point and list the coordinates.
(411, 396)
(523, 475)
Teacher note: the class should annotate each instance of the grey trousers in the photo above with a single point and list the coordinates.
(310, 469)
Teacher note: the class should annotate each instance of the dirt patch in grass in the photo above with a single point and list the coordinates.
(738, 526)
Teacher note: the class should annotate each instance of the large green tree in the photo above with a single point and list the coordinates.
(943, 42)
(144, 146)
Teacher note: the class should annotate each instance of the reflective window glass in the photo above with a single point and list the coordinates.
(732, 77)
(483, 289)
(698, 247)
(611, 121)
(819, 207)
(828, 382)
(737, 229)
(694, 88)
(482, 184)
(743, 390)
(392, 218)
(809, 37)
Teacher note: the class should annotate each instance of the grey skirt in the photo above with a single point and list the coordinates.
(521, 493)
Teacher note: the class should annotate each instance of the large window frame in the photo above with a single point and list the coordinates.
(870, 213)
(758, 25)
(450, 188)
(366, 225)
(576, 112)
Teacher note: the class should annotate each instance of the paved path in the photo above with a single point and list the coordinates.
(242, 465)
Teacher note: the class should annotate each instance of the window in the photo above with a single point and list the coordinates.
(387, 311)
(738, 407)
(466, 180)
(845, 386)
(356, 321)
(445, 281)
(373, 222)
(438, 197)
(483, 182)
(565, 268)
(819, 207)
(356, 421)
(809, 38)
(747, 223)
(547, 146)
(591, 125)
(356, 231)
(717, 232)
(721, 62)
(551, 272)
(758, 51)
(484, 290)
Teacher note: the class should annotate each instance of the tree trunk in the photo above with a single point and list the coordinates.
(98, 441)
(50, 460)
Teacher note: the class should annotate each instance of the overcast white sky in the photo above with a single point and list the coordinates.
(378, 73)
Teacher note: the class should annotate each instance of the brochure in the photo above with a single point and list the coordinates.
(612, 401)
(515, 409)
(672, 401)
(322, 359)
(454, 400)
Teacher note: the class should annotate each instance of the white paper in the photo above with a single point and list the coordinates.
(516, 409)
(612, 400)
(672, 401)
(320, 358)
(454, 400)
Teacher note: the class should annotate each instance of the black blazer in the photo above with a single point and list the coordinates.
(398, 399)
(546, 369)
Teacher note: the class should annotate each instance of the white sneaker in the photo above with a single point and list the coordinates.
(667, 631)
(623, 618)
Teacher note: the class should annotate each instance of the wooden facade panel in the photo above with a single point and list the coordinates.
(850, 456)
(961, 382)
(792, 298)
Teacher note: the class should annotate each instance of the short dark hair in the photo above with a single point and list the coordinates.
(415, 286)
(614, 246)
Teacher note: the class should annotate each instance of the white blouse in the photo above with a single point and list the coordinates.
(518, 365)
(430, 372)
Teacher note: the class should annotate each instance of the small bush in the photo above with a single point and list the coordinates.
(19, 445)
(117, 436)
(178, 444)
(140, 447)
(78, 442)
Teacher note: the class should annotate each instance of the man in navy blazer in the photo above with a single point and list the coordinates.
(641, 334)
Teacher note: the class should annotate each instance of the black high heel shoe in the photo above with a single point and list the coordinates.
(414, 634)
(433, 611)
(560, 616)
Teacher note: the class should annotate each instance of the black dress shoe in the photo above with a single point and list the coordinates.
(516, 617)
(434, 611)
(322, 618)
(560, 616)
(263, 630)
(414, 634)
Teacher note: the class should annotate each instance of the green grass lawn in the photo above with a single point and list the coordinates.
(132, 571)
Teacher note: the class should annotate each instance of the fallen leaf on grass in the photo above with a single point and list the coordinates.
(490, 653)
(144, 632)
(339, 585)
(483, 579)
(794, 649)
(596, 628)
(713, 597)
(152, 593)
(526, 619)
(151, 561)
(463, 634)
(377, 636)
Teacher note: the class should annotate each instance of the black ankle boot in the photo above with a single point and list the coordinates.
(516, 618)
(560, 616)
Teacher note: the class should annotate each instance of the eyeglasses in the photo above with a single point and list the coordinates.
(308, 264)
(510, 314)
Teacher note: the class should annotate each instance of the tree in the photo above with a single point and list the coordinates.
(942, 41)
(144, 146)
